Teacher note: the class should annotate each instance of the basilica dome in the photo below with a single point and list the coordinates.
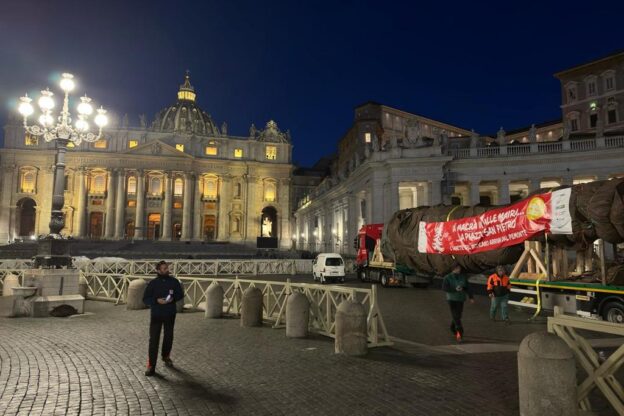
(185, 116)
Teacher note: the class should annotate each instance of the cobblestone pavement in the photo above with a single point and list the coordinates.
(94, 364)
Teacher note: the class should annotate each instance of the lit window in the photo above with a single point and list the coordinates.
(133, 143)
(238, 153)
(177, 205)
(100, 144)
(178, 187)
(211, 150)
(28, 182)
(210, 188)
(155, 186)
(186, 95)
(271, 152)
(132, 185)
(180, 147)
(132, 203)
(367, 137)
(98, 184)
(30, 140)
(269, 192)
(71, 145)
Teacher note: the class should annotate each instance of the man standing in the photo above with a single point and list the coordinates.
(498, 288)
(455, 284)
(161, 295)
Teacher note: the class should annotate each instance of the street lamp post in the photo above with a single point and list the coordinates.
(53, 250)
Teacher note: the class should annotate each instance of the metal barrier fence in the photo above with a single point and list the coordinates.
(324, 299)
(600, 373)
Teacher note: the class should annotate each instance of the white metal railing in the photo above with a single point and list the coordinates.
(600, 373)
(324, 299)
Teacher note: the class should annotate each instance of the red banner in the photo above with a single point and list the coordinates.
(500, 227)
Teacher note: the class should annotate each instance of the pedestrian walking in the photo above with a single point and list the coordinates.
(498, 288)
(161, 295)
(455, 284)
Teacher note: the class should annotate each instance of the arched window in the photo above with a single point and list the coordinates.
(178, 187)
(132, 185)
(210, 188)
(28, 181)
(270, 192)
(98, 184)
(155, 186)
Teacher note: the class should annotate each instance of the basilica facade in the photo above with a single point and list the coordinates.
(180, 177)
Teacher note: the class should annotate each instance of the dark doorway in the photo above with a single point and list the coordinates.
(26, 217)
(130, 229)
(210, 227)
(96, 224)
(177, 231)
(153, 226)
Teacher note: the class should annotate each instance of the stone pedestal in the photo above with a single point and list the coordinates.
(55, 287)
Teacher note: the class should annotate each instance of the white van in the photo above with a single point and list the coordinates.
(328, 266)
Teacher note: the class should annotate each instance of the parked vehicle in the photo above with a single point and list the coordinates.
(328, 267)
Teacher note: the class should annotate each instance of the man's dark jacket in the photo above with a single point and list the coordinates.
(159, 288)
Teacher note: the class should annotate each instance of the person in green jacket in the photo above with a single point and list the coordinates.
(455, 284)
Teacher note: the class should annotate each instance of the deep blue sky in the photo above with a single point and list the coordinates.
(476, 65)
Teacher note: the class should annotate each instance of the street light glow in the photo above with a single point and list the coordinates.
(85, 108)
(46, 103)
(25, 107)
(101, 119)
(67, 82)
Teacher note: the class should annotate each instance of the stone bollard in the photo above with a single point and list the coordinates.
(297, 315)
(214, 301)
(83, 287)
(251, 308)
(351, 334)
(546, 376)
(136, 289)
(10, 281)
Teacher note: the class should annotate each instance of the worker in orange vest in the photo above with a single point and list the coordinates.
(498, 288)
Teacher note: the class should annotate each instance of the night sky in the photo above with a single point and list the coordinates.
(475, 65)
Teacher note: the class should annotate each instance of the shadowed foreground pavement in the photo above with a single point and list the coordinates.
(94, 364)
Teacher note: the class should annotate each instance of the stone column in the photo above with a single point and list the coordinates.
(197, 210)
(474, 191)
(8, 189)
(166, 223)
(503, 192)
(252, 218)
(435, 194)
(139, 217)
(224, 203)
(534, 185)
(81, 212)
(186, 209)
(109, 226)
(120, 210)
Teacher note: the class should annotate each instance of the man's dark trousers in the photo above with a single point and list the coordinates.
(156, 323)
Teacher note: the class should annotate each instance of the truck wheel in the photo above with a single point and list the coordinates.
(383, 279)
(363, 275)
(613, 312)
